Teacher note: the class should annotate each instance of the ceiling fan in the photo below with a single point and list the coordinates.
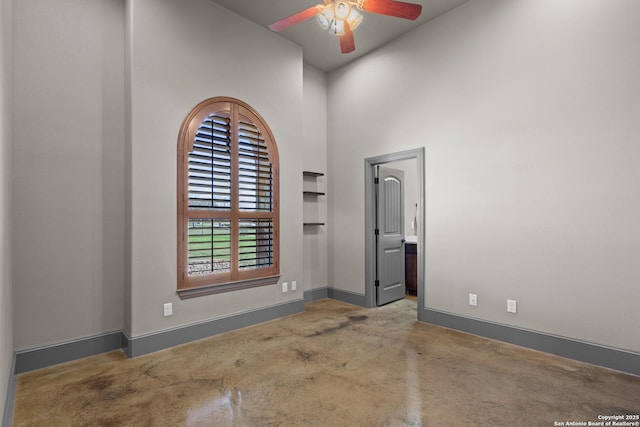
(341, 17)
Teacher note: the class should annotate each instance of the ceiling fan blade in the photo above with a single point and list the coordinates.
(296, 18)
(347, 44)
(398, 9)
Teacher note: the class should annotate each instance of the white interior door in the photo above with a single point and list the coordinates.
(390, 284)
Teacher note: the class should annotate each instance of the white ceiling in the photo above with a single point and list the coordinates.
(321, 49)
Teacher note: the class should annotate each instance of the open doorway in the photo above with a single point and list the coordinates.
(417, 212)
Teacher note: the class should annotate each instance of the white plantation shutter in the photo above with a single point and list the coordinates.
(227, 204)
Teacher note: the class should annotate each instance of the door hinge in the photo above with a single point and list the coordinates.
(377, 232)
(376, 180)
(377, 283)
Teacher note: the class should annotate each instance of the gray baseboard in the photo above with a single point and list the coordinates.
(346, 296)
(7, 417)
(29, 360)
(166, 339)
(595, 354)
(316, 294)
(51, 355)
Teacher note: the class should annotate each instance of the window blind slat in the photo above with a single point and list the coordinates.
(209, 165)
(255, 243)
(254, 170)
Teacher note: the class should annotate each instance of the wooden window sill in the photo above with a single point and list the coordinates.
(227, 287)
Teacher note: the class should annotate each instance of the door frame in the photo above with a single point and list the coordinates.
(369, 223)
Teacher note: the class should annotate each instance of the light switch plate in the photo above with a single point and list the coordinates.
(284, 287)
(511, 306)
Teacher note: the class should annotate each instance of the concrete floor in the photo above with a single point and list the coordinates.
(334, 365)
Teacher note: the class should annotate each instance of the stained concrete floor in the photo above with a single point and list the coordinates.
(334, 365)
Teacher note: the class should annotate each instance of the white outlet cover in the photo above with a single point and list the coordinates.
(294, 285)
(511, 306)
(473, 299)
(284, 287)
(168, 309)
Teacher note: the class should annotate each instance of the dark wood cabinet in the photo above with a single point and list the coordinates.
(411, 268)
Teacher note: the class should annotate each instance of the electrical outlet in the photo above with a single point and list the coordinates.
(284, 287)
(294, 285)
(168, 309)
(473, 299)
(511, 306)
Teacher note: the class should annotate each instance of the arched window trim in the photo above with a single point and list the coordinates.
(192, 286)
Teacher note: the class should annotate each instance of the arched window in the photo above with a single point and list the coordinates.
(228, 215)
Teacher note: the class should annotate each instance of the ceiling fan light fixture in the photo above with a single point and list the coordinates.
(337, 27)
(328, 21)
(333, 17)
(354, 19)
(341, 17)
(341, 10)
(325, 18)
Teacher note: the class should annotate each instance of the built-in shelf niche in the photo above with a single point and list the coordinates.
(314, 193)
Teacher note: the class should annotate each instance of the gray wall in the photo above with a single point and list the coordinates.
(68, 170)
(101, 89)
(314, 139)
(181, 53)
(6, 303)
(529, 114)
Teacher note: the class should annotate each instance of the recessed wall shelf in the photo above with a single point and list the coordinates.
(311, 179)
